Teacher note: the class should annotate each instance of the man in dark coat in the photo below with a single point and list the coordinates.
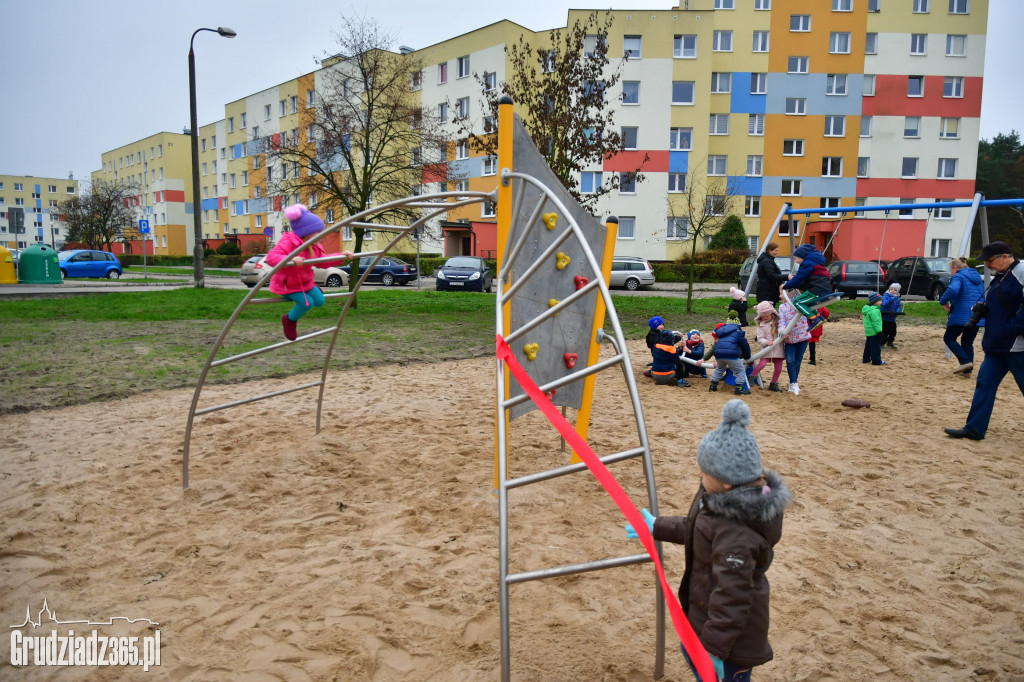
(769, 276)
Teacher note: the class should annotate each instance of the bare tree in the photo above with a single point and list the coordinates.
(563, 92)
(700, 212)
(101, 216)
(365, 141)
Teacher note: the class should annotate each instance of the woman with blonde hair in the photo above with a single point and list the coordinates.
(964, 290)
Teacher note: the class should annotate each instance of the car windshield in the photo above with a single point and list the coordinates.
(937, 264)
(462, 263)
(64, 255)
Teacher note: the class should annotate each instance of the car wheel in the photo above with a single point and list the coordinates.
(936, 291)
(114, 274)
(248, 285)
(632, 284)
(333, 281)
(387, 279)
(63, 275)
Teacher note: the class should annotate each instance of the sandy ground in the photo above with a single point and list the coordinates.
(369, 552)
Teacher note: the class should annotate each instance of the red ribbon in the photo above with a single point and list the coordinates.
(694, 648)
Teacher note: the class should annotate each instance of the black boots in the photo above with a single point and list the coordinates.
(713, 387)
(742, 390)
(774, 386)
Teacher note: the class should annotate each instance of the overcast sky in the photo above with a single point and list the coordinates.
(79, 78)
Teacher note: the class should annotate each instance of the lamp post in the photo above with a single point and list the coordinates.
(197, 253)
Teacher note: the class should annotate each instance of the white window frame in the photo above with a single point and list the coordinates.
(595, 178)
(755, 165)
(837, 84)
(940, 248)
(682, 102)
(725, 4)
(799, 107)
(870, 43)
(676, 183)
(462, 149)
(913, 171)
(912, 127)
(721, 41)
(921, 7)
(918, 44)
(954, 85)
(635, 134)
(634, 90)
(794, 186)
(959, 6)
(831, 166)
(798, 64)
(758, 83)
(829, 202)
(718, 165)
(462, 68)
(842, 5)
(679, 46)
(868, 85)
(755, 125)
(863, 166)
(800, 23)
(866, 124)
(947, 122)
(442, 73)
(677, 228)
(752, 206)
(796, 147)
(488, 210)
(680, 139)
(839, 42)
(762, 41)
(762, 5)
(906, 213)
(718, 124)
(956, 45)
(945, 213)
(462, 107)
(721, 82)
(918, 79)
(627, 52)
(947, 169)
(627, 227)
(627, 183)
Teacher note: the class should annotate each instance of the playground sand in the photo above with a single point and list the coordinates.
(369, 552)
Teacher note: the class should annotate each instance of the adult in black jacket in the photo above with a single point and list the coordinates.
(769, 277)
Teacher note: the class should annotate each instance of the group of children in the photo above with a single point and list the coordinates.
(730, 348)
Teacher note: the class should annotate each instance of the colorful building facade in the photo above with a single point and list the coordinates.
(28, 210)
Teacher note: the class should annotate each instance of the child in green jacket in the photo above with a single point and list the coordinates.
(873, 330)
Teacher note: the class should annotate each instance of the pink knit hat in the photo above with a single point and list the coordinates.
(737, 294)
(302, 221)
(764, 308)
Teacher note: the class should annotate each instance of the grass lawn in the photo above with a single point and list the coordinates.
(65, 351)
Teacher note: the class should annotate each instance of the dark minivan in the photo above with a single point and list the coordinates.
(856, 277)
(918, 276)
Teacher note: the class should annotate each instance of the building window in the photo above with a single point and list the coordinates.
(752, 207)
(591, 43)
(725, 4)
(758, 83)
(940, 248)
(792, 147)
(863, 166)
(761, 39)
(488, 210)
(718, 124)
(283, 107)
(462, 186)
(721, 83)
(232, 185)
(294, 99)
(462, 149)
(677, 228)
(53, 188)
(835, 84)
(922, 6)
(762, 4)
(868, 85)
(959, 6)
(590, 182)
(442, 73)
(631, 47)
(906, 212)
(874, 5)
(245, 178)
(231, 124)
(831, 166)
(627, 183)
(684, 47)
(677, 182)
(796, 106)
(953, 86)
(865, 125)
(631, 92)
(463, 67)
(912, 126)
(490, 124)
(909, 167)
(717, 164)
(918, 43)
(947, 169)
(842, 5)
(798, 64)
(949, 129)
(945, 212)
(714, 204)
(680, 139)
(790, 188)
(682, 92)
(755, 125)
(755, 165)
(722, 41)
(243, 119)
(415, 83)
(627, 227)
(800, 23)
(839, 42)
(629, 137)
(870, 43)
(956, 46)
(829, 202)
(915, 86)
(266, 112)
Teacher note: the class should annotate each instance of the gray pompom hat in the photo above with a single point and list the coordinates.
(730, 452)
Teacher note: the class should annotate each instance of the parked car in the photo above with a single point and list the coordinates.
(388, 271)
(748, 265)
(465, 273)
(918, 276)
(89, 263)
(631, 272)
(255, 266)
(856, 277)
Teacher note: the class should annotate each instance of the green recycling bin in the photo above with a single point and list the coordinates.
(39, 265)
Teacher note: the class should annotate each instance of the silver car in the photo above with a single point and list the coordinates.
(256, 266)
(631, 272)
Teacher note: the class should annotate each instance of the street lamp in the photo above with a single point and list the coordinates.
(197, 264)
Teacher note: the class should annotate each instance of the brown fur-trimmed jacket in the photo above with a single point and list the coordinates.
(729, 539)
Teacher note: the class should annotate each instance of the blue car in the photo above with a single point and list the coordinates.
(388, 271)
(88, 263)
(464, 273)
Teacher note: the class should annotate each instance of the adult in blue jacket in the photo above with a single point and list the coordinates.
(1003, 341)
(964, 290)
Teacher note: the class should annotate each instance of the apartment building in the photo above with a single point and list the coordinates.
(824, 104)
(28, 210)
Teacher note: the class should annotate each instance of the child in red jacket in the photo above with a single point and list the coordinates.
(816, 336)
(296, 282)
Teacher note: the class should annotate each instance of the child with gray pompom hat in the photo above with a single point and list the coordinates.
(734, 522)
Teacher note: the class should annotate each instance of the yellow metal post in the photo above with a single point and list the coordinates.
(506, 127)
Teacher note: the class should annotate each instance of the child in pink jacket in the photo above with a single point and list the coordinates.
(296, 282)
(767, 321)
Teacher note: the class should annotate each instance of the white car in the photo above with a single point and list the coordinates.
(256, 266)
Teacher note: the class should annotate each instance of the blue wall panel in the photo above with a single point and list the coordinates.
(678, 162)
(742, 101)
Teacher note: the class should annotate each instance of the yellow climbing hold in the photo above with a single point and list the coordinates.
(550, 219)
(561, 260)
(531, 350)
(552, 302)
